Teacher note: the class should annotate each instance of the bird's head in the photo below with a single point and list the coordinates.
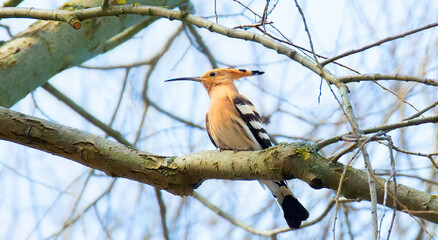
(219, 76)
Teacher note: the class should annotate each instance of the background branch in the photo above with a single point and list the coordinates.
(61, 47)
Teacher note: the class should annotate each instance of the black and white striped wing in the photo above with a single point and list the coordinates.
(252, 119)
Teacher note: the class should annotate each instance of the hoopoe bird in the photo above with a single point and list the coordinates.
(233, 123)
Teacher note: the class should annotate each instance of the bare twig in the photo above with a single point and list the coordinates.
(394, 177)
(308, 35)
(171, 115)
(125, 35)
(386, 128)
(338, 192)
(262, 22)
(132, 65)
(162, 213)
(228, 217)
(348, 149)
(34, 181)
(249, 9)
(379, 43)
(153, 63)
(215, 11)
(419, 113)
(122, 91)
(378, 77)
(266, 233)
(105, 4)
(71, 221)
(402, 99)
(203, 48)
(408, 176)
(102, 224)
(8, 29)
(429, 155)
(71, 184)
(111, 132)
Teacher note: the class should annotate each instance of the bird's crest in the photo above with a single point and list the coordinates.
(220, 76)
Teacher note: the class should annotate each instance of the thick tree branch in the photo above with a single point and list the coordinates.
(180, 175)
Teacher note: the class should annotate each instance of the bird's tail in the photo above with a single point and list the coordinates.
(294, 211)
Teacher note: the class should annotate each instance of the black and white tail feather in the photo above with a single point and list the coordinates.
(251, 125)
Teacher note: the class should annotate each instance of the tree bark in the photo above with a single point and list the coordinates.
(181, 175)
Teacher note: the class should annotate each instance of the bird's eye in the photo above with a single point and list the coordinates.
(212, 74)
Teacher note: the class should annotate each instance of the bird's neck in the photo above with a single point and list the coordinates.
(222, 90)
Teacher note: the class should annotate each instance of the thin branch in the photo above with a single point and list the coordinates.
(31, 180)
(203, 48)
(396, 95)
(215, 11)
(63, 98)
(153, 63)
(80, 215)
(8, 30)
(373, 191)
(413, 122)
(378, 77)
(81, 193)
(131, 65)
(122, 91)
(247, 8)
(263, 18)
(338, 191)
(102, 224)
(308, 35)
(162, 213)
(402, 206)
(385, 128)
(302, 49)
(171, 115)
(357, 133)
(125, 35)
(348, 149)
(265, 15)
(419, 113)
(228, 217)
(429, 156)
(266, 233)
(394, 177)
(409, 176)
(105, 4)
(388, 39)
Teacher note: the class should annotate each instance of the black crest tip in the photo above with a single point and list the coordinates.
(255, 72)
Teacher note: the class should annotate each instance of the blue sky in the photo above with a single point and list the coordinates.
(34, 181)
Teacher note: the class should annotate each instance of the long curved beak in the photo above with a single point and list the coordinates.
(196, 79)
